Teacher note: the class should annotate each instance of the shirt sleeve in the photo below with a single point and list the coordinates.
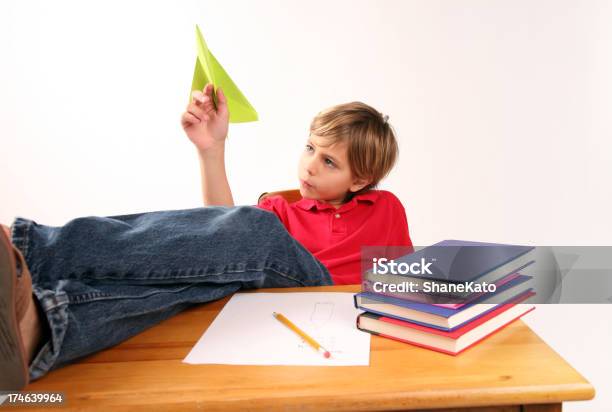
(276, 205)
(405, 232)
(400, 235)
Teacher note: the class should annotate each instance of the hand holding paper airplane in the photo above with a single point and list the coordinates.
(206, 125)
(208, 70)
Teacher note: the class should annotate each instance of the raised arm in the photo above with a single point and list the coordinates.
(206, 126)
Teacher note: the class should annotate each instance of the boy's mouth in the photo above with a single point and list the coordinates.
(305, 184)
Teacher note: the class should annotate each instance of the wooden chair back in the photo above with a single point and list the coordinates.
(290, 196)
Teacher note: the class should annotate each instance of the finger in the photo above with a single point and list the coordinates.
(187, 119)
(196, 110)
(221, 96)
(208, 90)
(208, 107)
(221, 101)
(193, 109)
(196, 96)
(200, 115)
(202, 101)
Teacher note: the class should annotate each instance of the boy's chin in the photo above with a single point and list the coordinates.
(310, 196)
(306, 194)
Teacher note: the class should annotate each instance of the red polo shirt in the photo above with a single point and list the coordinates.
(335, 236)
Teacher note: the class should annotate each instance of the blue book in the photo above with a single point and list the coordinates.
(453, 261)
(440, 317)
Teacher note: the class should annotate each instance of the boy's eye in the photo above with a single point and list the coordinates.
(309, 148)
(329, 162)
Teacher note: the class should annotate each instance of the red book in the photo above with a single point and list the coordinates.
(453, 342)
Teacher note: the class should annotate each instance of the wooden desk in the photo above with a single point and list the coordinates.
(512, 368)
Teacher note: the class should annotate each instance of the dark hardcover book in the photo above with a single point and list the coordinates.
(453, 262)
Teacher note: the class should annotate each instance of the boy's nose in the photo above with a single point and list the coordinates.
(310, 167)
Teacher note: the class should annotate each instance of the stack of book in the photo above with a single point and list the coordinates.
(451, 305)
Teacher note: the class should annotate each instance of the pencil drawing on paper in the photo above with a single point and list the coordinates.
(322, 313)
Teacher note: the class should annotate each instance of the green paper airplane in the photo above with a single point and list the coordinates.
(208, 70)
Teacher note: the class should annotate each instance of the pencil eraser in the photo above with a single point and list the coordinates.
(327, 354)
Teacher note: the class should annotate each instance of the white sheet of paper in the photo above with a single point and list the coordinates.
(246, 333)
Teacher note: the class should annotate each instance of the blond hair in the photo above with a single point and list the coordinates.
(372, 147)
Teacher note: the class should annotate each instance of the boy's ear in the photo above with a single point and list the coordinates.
(359, 184)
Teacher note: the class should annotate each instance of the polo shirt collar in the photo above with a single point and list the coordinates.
(368, 197)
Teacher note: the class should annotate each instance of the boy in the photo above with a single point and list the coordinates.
(69, 291)
(351, 148)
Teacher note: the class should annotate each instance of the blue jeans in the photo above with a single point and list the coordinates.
(101, 280)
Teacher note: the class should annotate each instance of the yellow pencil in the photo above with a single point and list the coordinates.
(302, 334)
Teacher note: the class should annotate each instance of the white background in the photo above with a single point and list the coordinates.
(501, 109)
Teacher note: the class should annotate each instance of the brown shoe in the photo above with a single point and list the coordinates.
(15, 298)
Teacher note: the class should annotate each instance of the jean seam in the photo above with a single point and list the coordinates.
(287, 276)
(22, 239)
(46, 355)
(205, 276)
(99, 296)
(200, 274)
